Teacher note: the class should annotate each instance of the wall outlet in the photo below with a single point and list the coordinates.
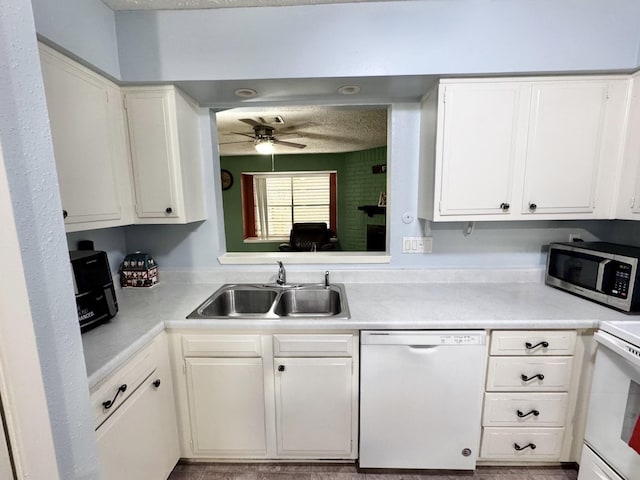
(574, 236)
(417, 244)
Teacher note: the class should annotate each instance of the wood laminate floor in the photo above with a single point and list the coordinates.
(306, 471)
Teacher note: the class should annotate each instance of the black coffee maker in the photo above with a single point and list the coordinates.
(93, 283)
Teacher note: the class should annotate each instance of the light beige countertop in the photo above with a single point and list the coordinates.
(143, 313)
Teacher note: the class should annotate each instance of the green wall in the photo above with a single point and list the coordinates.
(356, 186)
(360, 187)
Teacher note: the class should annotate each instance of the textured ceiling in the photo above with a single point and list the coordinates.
(322, 129)
(188, 4)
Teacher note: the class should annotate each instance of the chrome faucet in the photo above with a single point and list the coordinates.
(326, 279)
(282, 274)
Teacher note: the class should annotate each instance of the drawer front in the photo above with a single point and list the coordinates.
(535, 342)
(245, 346)
(550, 374)
(332, 345)
(127, 379)
(525, 409)
(500, 443)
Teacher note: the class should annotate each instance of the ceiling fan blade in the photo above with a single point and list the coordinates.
(288, 144)
(291, 134)
(240, 141)
(244, 134)
(297, 127)
(250, 121)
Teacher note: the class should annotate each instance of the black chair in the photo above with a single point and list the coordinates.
(306, 237)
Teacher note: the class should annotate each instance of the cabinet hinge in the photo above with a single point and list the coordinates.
(191, 444)
(184, 368)
(633, 202)
(444, 96)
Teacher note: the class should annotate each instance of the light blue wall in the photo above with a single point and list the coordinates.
(110, 240)
(491, 245)
(25, 138)
(384, 38)
(86, 28)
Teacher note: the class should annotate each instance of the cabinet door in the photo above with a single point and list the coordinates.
(140, 440)
(154, 147)
(227, 406)
(314, 407)
(563, 152)
(632, 154)
(86, 129)
(481, 136)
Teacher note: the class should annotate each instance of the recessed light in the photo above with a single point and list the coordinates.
(349, 89)
(245, 92)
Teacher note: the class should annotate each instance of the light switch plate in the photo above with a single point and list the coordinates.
(417, 244)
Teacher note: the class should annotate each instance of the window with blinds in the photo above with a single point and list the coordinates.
(282, 199)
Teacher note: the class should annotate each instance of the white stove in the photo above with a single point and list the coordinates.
(612, 436)
(627, 330)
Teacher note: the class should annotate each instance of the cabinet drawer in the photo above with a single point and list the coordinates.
(506, 374)
(128, 378)
(525, 409)
(558, 342)
(500, 443)
(245, 346)
(333, 345)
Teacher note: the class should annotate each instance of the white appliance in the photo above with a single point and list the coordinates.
(421, 398)
(612, 436)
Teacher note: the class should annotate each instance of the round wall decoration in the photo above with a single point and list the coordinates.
(226, 178)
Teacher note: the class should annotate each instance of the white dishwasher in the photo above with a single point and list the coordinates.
(421, 398)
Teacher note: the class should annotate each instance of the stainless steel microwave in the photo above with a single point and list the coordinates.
(603, 272)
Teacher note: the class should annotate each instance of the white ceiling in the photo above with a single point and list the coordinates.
(192, 4)
(322, 129)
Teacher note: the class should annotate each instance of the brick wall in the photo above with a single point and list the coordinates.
(358, 186)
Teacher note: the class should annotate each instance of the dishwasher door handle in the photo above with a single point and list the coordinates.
(422, 347)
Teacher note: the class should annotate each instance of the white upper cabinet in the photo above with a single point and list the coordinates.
(164, 137)
(474, 149)
(628, 206)
(563, 150)
(522, 148)
(89, 142)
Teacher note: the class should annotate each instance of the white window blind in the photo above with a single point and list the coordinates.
(284, 199)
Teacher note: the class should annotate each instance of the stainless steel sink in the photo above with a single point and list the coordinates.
(309, 301)
(272, 301)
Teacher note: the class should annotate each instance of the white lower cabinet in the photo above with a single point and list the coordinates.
(226, 406)
(267, 396)
(527, 402)
(314, 407)
(139, 439)
(522, 444)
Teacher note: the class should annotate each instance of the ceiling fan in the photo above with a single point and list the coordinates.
(264, 137)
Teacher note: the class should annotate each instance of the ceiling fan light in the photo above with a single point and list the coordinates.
(264, 147)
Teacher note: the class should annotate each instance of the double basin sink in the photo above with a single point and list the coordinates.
(272, 301)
